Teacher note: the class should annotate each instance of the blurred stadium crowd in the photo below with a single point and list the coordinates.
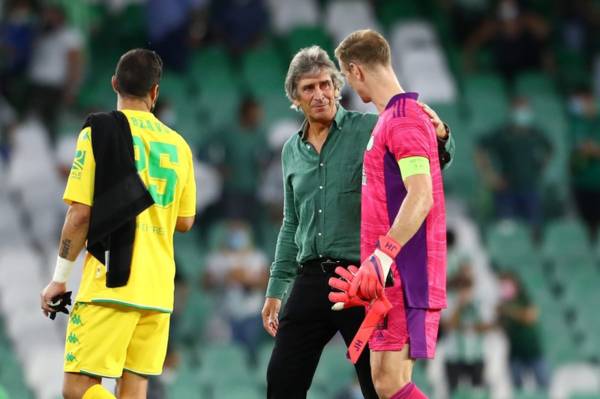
(517, 81)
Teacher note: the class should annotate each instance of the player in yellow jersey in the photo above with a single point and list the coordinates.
(121, 332)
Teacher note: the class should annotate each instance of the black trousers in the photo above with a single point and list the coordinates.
(306, 325)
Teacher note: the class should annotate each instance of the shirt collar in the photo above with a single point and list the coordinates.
(340, 114)
(401, 96)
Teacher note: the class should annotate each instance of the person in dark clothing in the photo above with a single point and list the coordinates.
(512, 161)
(519, 318)
(585, 158)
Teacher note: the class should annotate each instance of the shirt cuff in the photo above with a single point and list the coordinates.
(276, 288)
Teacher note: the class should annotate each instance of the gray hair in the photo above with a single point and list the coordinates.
(310, 61)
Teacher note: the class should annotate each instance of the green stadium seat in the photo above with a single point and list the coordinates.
(559, 347)
(535, 84)
(591, 395)
(3, 393)
(566, 240)
(529, 395)
(98, 94)
(234, 390)
(461, 178)
(390, 11)
(186, 385)
(334, 370)
(216, 377)
(217, 86)
(316, 393)
(509, 245)
(263, 71)
(197, 311)
(263, 358)
(276, 106)
(419, 377)
(222, 353)
(214, 59)
(469, 394)
(189, 254)
(453, 115)
(306, 36)
(487, 102)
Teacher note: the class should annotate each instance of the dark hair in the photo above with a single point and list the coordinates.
(138, 70)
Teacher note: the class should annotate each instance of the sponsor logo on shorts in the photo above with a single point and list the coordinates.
(76, 320)
(72, 338)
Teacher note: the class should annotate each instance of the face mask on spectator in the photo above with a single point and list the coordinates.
(508, 11)
(508, 290)
(576, 106)
(238, 240)
(522, 117)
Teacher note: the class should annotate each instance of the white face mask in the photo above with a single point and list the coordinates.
(522, 117)
(508, 11)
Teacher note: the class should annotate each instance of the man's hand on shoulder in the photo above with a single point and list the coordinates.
(441, 129)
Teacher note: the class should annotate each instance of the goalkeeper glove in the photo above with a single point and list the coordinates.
(341, 298)
(59, 304)
(371, 277)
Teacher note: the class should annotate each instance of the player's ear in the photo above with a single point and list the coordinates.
(113, 83)
(154, 91)
(359, 72)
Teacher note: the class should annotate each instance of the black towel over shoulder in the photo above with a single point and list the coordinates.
(119, 195)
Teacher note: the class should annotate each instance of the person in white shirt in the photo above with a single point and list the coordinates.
(56, 67)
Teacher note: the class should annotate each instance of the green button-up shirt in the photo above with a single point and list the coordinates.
(321, 217)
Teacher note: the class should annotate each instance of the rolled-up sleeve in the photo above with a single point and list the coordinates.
(285, 265)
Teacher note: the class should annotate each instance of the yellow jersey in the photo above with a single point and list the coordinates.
(165, 164)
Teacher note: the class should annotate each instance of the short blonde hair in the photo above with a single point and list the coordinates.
(365, 47)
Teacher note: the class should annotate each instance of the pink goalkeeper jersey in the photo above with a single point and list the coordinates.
(404, 130)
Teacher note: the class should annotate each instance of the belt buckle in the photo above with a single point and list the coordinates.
(326, 263)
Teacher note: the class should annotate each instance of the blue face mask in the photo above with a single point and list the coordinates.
(522, 117)
(238, 239)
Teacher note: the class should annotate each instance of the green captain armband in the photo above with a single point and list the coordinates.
(410, 166)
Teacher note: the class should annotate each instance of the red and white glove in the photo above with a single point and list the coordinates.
(369, 281)
(341, 299)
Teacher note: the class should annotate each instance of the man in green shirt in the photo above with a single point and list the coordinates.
(322, 168)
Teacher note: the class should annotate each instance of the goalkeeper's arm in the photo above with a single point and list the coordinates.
(414, 208)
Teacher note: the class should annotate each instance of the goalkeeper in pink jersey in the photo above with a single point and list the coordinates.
(402, 278)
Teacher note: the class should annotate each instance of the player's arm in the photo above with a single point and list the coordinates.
(184, 223)
(409, 143)
(187, 203)
(415, 207)
(72, 241)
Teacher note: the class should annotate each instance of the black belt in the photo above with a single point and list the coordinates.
(323, 266)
